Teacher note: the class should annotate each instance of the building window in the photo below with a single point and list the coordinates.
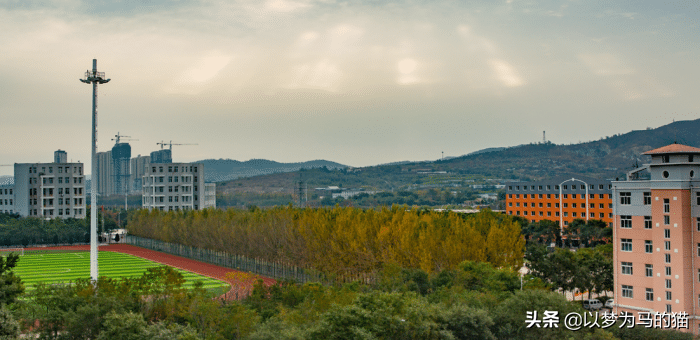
(667, 233)
(667, 219)
(667, 205)
(668, 296)
(668, 284)
(625, 198)
(668, 271)
(549, 195)
(649, 246)
(601, 196)
(626, 221)
(549, 205)
(650, 294)
(566, 196)
(647, 222)
(626, 244)
(667, 245)
(665, 158)
(649, 270)
(667, 258)
(549, 213)
(627, 268)
(573, 196)
(647, 198)
(627, 291)
(601, 215)
(556, 213)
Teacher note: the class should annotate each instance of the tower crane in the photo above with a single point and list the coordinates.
(119, 137)
(163, 144)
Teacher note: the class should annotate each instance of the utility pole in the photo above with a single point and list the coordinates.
(93, 77)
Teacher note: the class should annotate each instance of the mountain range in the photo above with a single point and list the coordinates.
(218, 170)
(609, 157)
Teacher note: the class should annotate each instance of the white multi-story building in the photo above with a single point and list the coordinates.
(49, 190)
(176, 186)
(7, 199)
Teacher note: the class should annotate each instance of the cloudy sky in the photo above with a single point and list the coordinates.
(358, 82)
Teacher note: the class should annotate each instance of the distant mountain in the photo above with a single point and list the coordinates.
(217, 170)
(482, 151)
(607, 158)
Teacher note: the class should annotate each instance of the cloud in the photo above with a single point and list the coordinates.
(285, 6)
(605, 64)
(505, 73)
(406, 71)
(206, 68)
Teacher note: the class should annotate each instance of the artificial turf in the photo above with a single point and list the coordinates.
(57, 267)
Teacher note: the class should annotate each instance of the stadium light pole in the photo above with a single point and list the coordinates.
(93, 77)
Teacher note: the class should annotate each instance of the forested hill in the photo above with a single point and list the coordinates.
(608, 157)
(218, 170)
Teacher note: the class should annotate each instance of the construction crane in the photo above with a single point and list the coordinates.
(119, 137)
(163, 144)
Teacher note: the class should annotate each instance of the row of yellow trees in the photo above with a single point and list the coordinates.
(343, 240)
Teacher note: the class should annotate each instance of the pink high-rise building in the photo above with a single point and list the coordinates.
(657, 235)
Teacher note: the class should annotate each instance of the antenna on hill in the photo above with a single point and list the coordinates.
(544, 140)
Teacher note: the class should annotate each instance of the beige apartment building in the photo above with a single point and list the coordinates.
(176, 186)
(657, 236)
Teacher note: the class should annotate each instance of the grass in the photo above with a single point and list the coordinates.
(58, 267)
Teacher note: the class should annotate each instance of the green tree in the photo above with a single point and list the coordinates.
(11, 286)
(512, 313)
(9, 327)
(123, 326)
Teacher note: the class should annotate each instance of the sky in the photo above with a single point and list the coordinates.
(359, 83)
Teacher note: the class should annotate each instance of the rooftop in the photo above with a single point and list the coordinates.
(673, 148)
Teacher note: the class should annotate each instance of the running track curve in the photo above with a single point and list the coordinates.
(202, 268)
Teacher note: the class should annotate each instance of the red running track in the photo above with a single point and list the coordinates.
(202, 268)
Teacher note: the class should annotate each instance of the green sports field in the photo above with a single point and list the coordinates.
(56, 267)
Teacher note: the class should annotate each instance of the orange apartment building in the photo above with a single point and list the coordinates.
(562, 200)
(657, 236)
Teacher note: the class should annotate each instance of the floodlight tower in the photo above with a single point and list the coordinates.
(93, 77)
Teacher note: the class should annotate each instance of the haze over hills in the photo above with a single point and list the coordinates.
(609, 157)
(217, 170)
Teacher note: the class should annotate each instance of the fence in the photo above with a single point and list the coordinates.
(274, 270)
